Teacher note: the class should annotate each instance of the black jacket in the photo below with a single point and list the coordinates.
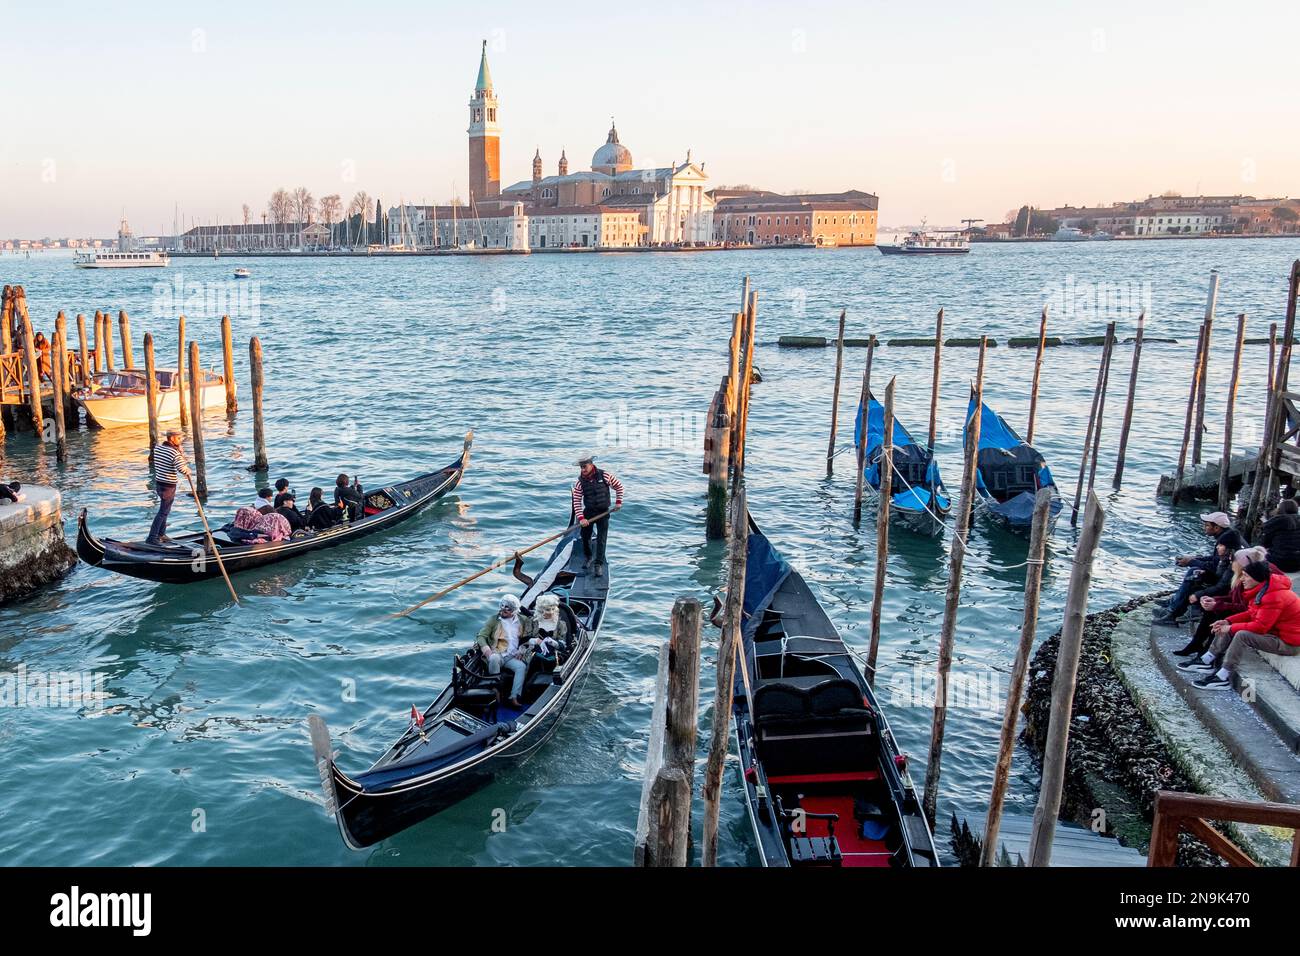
(1281, 536)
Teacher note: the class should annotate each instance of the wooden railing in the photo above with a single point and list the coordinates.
(11, 377)
(1176, 812)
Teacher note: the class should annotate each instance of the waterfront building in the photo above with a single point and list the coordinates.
(481, 226)
(255, 237)
(1188, 221)
(584, 227)
(758, 218)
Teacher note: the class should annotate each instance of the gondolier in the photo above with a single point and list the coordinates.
(591, 507)
(168, 466)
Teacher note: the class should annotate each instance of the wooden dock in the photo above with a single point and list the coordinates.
(1071, 846)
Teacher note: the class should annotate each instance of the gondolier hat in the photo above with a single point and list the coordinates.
(1217, 517)
(172, 431)
(586, 458)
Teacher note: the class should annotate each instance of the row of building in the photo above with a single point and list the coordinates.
(1184, 215)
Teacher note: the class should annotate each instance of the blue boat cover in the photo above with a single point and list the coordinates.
(997, 436)
(915, 498)
(765, 572)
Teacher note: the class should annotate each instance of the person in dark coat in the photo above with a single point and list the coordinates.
(1281, 536)
(1205, 572)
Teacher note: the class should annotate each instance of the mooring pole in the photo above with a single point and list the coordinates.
(1128, 405)
(259, 425)
(711, 790)
(865, 412)
(108, 342)
(1189, 417)
(1225, 464)
(835, 396)
(718, 465)
(180, 371)
(956, 560)
(746, 379)
(124, 326)
(1038, 371)
(1210, 300)
(1063, 684)
(736, 347)
(69, 403)
(1101, 405)
(1098, 392)
(1011, 712)
(85, 351)
(934, 383)
(58, 372)
(1262, 486)
(99, 341)
(151, 393)
(196, 421)
(228, 367)
(32, 362)
(882, 529)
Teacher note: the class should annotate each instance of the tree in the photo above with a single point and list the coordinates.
(279, 207)
(331, 207)
(1285, 213)
(360, 208)
(1021, 226)
(304, 205)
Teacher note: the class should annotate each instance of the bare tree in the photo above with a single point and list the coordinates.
(280, 207)
(360, 206)
(331, 207)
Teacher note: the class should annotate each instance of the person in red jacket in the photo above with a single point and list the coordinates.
(1271, 622)
(1225, 605)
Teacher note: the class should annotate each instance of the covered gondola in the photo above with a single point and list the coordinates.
(918, 499)
(823, 778)
(189, 558)
(470, 733)
(1009, 473)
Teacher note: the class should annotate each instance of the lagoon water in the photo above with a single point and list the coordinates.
(378, 366)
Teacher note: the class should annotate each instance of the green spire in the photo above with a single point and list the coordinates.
(484, 74)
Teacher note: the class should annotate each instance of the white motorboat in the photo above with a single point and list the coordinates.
(921, 242)
(119, 399)
(125, 256)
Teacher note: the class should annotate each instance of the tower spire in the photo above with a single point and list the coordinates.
(484, 82)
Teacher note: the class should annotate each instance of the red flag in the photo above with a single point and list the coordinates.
(417, 716)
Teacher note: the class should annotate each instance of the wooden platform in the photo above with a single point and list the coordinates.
(1072, 846)
(1202, 481)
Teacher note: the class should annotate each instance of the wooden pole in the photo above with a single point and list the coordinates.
(259, 426)
(1128, 406)
(85, 352)
(835, 396)
(31, 361)
(956, 560)
(882, 529)
(124, 326)
(99, 341)
(1011, 713)
(151, 393)
(719, 466)
(7, 321)
(746, 375)
(58, 371)
(711, 790)
(934, 382)
(196, 420)
(1063, 683)
(228, 357)
(1098, 392)
(180, 372)
(864, 412)
(734, 365)
(1038, 371)
(1189, 416)
(1109, 349)
(216, 552)
(1226, 462)
(1210, 299)
(68, 384)
(1261, 487)
(684, 688)
(108, 343)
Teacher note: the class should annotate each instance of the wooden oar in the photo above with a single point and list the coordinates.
(492, 567)
(211, 544)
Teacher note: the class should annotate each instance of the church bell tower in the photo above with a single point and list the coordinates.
(484, 136)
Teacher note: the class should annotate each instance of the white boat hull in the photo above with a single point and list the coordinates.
(125, 411)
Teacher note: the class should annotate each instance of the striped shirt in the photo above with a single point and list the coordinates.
(166, 463)
(610, 479)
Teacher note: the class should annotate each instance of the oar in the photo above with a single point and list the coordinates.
(211, 544)
(492, 567)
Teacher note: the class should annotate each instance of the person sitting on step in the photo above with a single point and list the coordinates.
(1217, 607)
(498, 642)
(1281, 535)
(1206, 570)
(1271, 623)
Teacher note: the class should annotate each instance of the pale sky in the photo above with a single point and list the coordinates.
(944, 109)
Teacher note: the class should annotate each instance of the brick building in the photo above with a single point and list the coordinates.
(758, 218)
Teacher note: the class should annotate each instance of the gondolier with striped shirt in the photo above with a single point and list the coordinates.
(591, 501)
(168, 466)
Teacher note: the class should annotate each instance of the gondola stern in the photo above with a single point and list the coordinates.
(89, 548)
(323, 756)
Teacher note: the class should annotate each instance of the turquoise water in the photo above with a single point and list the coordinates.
(379, 367)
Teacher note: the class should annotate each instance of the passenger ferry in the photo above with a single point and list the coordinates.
(920, 242)
(125, 256)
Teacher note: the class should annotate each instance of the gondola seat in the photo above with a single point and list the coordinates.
(823, 728)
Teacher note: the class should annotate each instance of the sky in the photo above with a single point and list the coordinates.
(946, 110)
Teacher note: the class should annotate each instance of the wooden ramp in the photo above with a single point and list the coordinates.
(1072, 846)
(1202, 481)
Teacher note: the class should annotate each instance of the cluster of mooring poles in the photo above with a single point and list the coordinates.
(29, 380)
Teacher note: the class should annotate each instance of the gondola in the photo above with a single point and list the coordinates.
(823, 778)
(918, 499)
(1009, 472)
(189, 559)
(469, 734)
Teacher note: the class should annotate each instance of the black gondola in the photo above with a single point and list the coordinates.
(469, 734)
(189, 558)
(824, 781)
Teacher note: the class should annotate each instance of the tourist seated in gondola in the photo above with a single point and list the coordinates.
(282, 490)
(1281, 536)
(348, 494)
(243, 530)
(273, 526)
(498, 642)
(1270, 623)
(264, 503)
(320, 515)
(288, 508)
(1205, 570)
(546, 631)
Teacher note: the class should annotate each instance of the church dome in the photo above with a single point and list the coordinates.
(613, 157)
